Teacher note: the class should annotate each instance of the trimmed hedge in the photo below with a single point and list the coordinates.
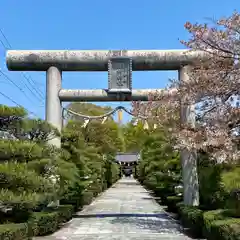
(87, 197)
(65, 213)
(192, 218)
(219, 225)
(21, 151)
(172, 202)
(14, 231)
(225, 229)
(43, 223)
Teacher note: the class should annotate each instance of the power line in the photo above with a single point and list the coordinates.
(4, 36)
(10, 99)
(10, 80)
(1, 41)
(37, 91)
(19, 88)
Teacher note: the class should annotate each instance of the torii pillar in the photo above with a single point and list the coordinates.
(53, 102)
(188, 158)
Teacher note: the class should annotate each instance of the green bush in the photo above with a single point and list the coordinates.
(43, 223)
(74, 201)
(19, 150)
(219, 224)
(6, 111)
(172, 203)
(210, 216)
(164, 190)
(151, 185)
(96, 188)
(48, 221)
(192, 218)
(228, 229)
(114, 174)
(18, 178)
(14, 231)
(22, 190)
(65, 212)
(210, 188)
(179, 206)
(73, 196)
(231, 183)
(87, 198)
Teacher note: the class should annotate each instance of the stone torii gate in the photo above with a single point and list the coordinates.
(119, 63)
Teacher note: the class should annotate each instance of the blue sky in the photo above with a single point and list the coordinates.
(94, 24)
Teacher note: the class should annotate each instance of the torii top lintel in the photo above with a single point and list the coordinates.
(97, 60)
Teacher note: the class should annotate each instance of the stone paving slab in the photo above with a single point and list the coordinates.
(125, 211)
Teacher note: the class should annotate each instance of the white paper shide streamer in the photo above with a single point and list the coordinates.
(136, 122)
(104, 119)
(86, 121)
(145, 126)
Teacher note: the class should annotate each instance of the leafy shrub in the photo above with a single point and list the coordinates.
(65, 212)
(73, 200)
(96, 187)
(210, 188)
(18, 177)
(74, 196)
(22, 190)
(6, 111)
(46, 222)
(192, 218)
(172, 203)
(179, 206)
(114, 174)
(43, 223)
(19, 150)
(210, 216)
(14, 231)
(220, 224)
(228, 229)
(231, 183)
(87, 197)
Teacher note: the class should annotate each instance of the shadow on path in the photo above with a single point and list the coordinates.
(151, 224)
(126, 184)
(123, 215)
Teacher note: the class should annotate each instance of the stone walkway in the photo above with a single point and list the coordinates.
(126, 211)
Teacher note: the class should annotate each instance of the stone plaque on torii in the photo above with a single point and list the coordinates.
(120, 75)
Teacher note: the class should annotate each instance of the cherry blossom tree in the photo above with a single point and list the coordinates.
(215, 88)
